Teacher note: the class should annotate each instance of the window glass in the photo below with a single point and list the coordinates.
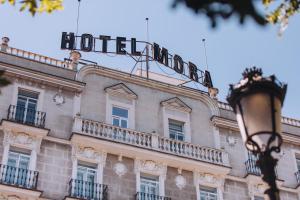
(149, 186)
(120, 112)
(176, 130)
(84, 185)
(120, 117)
(207, 193)
(16, 171)
(26, 106)
(298, 163)
(258, 198)
(85, 173)
(18, 160)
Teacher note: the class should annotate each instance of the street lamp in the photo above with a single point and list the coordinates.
(257, 102)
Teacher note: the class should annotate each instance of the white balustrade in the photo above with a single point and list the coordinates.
(110, 132)
(150, 141)
(193, 151)
(37, 57)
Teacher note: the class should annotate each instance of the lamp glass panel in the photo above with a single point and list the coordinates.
(257, 115)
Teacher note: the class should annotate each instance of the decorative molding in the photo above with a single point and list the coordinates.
(121, 90)
(256, 189)
(177, 104)
(9, 197)
(209, 180)
(120, 169)
(284, 120)
(43, 78)
(225, 123)
(22, 140)
(232, 125)
(180, 181)
(88, 154)
(150, 167)
(58, 98)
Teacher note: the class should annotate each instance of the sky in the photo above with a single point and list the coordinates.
(230, 47)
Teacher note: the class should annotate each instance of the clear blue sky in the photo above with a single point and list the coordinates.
(230, 48)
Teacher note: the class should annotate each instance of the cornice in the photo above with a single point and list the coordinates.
(232, 125)
(284, 120)
(73, 85)
(123, 76)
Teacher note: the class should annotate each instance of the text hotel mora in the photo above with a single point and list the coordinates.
(99, 133)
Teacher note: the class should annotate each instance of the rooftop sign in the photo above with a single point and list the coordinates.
(123, 46)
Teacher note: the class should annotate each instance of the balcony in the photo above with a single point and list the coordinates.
(251, 167)
(26, 116)
(145, 196)
(149, 141)
(297, 174)
(18, 177)
(79, 189)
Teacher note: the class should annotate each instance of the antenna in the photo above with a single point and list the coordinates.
(147, 49)
(203, 40)
(147, 22)
(77, 25)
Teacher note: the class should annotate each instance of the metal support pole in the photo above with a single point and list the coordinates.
(147, 61)
(267, 166)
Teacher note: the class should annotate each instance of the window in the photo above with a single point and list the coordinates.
(176, 130)
(251, 165)
(85, 184)
(120, 117)
(298, 163)
(207, 193)
(26, 106)
(17, 168)
(258, 198)
(149, 188)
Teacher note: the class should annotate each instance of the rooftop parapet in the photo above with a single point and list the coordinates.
(285, 120)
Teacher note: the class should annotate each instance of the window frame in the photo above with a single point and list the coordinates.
(206, 189)
(41, 92)
(20, 154)
(151, 180)
(257, 196)
(111, 101)
(140, 170)
(177, 133)
(119, 117)
(176, 115)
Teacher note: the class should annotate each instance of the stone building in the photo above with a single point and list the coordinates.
(99, 133)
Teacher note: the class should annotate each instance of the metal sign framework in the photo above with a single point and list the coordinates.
(150, 52)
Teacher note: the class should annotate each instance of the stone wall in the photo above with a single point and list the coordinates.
(171, 190)
(119, 188)
(55, 168)
(148, 108)
(234, 190)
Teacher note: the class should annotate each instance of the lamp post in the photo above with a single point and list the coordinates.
(257, 102)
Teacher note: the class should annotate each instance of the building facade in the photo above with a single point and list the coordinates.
(99, 133)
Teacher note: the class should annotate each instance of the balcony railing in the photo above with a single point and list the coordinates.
(87, 190)
(23, 115)
(297, 174)
(37, 57)
(145, 196)
(252, 168)
(150, 141)
(18, 177)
